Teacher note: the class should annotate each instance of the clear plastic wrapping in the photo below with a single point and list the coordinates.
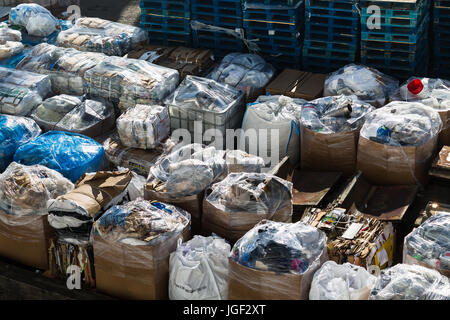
(247, 72)
(402, 124)
(275, 114)
(21, 91)
(429, 244)
(14, 131)
(187, 171)
(341, 282)
(240, 161)
(8, 34)
(36, 19)
(99, 35)
(144, 126)
(142, 222)
(10, 42)
(410, 282)
(25, 190)
(69, 153)
(75, 114)
(199, 269)
(369, 85)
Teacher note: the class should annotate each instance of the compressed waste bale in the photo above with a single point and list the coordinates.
(199, 269)
(8, 34)
(341, 282)
(10, 42)
(132, 245)
(217, 106)
(143, 126)
(434, 93)
(279, 116)
(410, 282)
(330, 131)
(239, 202)
(37, 20)
(247, 72)
(138, 160)
(369, 85)
(99, 35)
(275, 261)
(397, 143)
(14, 131)
(24, 231)
(73, 214)
(240, 161)
(429, 244)
(75, 114)
(21, 91)
(69, 153)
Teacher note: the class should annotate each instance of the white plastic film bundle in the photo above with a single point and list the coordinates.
(367, 84)
(240, 161)
(21, 91)
(10, 42)
(199, 270)
(429, 244)
(341, 282)
(276, 260)
(276, 116)
(65, 66)
(215, 105)
(75, 114)
(410, 282)
(25, 190)
(36, 19)
(187, 171)
(98, 35)
(144, 126)
(247, 72)
(8, 34)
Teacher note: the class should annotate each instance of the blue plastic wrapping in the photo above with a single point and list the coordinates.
(14, 131)
(70, 154)
(36, 19)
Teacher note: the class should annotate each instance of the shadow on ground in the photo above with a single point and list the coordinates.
(123, 11)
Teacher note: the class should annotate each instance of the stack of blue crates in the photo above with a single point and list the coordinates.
(167, 21)
(220, 24)
(399, 44)
(276, 27)
(441, 39)
(332, 34)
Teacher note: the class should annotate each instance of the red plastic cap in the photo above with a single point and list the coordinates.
(415, 86)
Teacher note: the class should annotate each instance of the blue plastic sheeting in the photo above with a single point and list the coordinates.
(13, 61)
(51, 39)
(14, 132)
(70, 154)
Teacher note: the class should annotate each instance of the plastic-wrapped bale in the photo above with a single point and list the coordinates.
(24, 230)
(275, 261)
(434, 93)
(37, 20)
(65, 66)
(329, 133)
(341, 282)
(99, 35)
(397, 143)
(8, 34)
(410, 282)
(279, 116)
(239, 202)
(199, 269)
(138, 160)
(240, 161)
(215, 105)
(429, 244)
(10, 42)
(247, 72)
(69, 153)
(181, 177)
(21, 91)
(143, 126)
(73, 214)
(14, 131)
(369, 85)
(132, 245)
(130, 81)
(75, 114)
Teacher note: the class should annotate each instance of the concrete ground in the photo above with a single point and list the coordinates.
(123, 11)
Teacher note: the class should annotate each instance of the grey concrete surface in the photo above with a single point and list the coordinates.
(123, 11)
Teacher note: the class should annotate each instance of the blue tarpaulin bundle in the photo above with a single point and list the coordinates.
(70, 154)
(14, 132)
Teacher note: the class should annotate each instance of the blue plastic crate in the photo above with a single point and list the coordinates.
(332, 12)
(395, 46)
(331, 34)
(393, 7)
(275, 49)
(169, 39)
(327, 54)
(344, 5)
(405, 63)
(327, 45)
(273, 35)
(217, 40)
(169, 8)
(175, 25)
(287, 16)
